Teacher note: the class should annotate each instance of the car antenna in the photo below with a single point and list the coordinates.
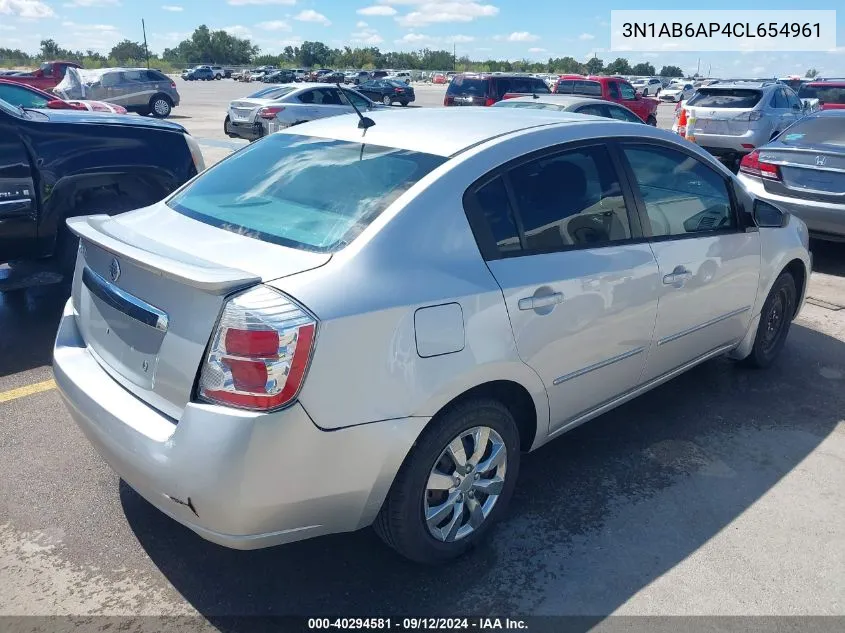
(365, 122)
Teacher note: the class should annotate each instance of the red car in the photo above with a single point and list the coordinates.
(47, 77)
(611, 89)
(19, 94)
(831, 94)
(566, 78)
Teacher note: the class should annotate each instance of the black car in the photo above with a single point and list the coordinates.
(57, 164)
(485, 90)
(387, 91)
(280, 77)
(334, 77)
(200, 74)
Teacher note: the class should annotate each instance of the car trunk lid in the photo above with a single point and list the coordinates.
(727, 121)
(148, 299)
(814, 173)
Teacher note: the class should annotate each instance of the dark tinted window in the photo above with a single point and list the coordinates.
(285, 190)
(623, 114)
(726, 98)
(467, 86)
(154, 75)
(565, 86)
(594, 109)
(825, 94)
(779, 100)
(497, 216)
(827, 130)
(681, 195)
(591, 88)
(570, 199)
(613, 87)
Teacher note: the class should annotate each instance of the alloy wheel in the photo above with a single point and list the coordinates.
(161, 107)
(465, 483)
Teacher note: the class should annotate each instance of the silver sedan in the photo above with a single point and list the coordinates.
(571, 103)
(371, 323)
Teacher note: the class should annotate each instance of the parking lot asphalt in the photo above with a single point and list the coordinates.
(720, 493)
(204, 103)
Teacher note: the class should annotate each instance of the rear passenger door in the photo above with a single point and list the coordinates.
(709, 263)
(579, 282)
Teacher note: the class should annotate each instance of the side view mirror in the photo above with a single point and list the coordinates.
(768, 216)
(796, 106)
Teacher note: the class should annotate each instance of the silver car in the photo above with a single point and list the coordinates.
(571, 103)
(370, 326)
(732, 119)
(272, 109)
(803, 172)
(140, 90)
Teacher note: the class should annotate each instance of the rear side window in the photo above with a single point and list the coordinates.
(496, 217)
(21, 97)
(613, 87)
(154, 75)
(590, 88)
(726, 98)
(623, 114)
(825, 94)
(816, 130)
(779, 100)
(565, 87)
(467, 86)
(284, 190)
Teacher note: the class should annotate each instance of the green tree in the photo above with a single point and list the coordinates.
(812, 73)
(127, 50)
(594, 65)
(618, 66)
(642, 69)
(671, 71)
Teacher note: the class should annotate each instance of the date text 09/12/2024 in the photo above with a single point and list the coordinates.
(417, 624)
(674, 30)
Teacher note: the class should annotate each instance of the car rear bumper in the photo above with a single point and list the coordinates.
(248, 131)
(722, 144)
(824, 220)
(240, 479)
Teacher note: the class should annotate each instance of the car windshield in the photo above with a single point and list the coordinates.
(467, 86)
(528, 105)
(825, 94)
(395, 84)
(726, 98)
(816, 130)
(307, 193)
(590, 88)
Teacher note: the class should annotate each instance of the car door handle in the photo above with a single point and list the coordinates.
(677, 277)
(543, 301)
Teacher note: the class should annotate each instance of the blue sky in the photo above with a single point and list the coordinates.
(513, 29)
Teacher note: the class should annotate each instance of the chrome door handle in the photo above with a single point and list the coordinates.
(543, 301)
(677, 277)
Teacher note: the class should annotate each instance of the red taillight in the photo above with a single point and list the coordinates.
(173, 85)
(753, 166)
(489, 101)
(447, 101)
(270, 112)
(398, 90)
(259, 353)
(58, 104)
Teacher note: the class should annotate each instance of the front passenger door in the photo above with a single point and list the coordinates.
(579, 282)
(708, 263)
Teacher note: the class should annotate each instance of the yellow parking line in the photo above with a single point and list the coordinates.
(20, 392)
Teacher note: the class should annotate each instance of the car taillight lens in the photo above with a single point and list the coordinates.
(173, 85)
(447, 101)
(753, 166)
(260, 352)
(754, 115)
(269, 112)
(489, 101)
(58, 104)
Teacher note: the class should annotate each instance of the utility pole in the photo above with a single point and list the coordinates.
(698, 67)
(454, 57)
(146, 49)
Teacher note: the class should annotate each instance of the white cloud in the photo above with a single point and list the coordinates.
(461, 39)
(417, 38)
(361, 24)
(536, 50)
(310, 15)
(483, 49)
(367, 37)
(414, 38)
(273, 25)
(6, 27)
(440, 11)
(238, 3)
(518, 36)
(105, 28)
(238, 30)
(172, 7)
(758, 69)
(377, 10)
(26, 8)
(586, 36)
(92, 3)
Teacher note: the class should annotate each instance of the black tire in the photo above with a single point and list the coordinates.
(401, 524)
(775, 319)
(651, 120)
(645, 92)
(226, 122)
(161, 106)
(404, 104)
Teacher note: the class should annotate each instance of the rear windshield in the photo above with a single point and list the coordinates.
(818, 130)
(591, 88)
(468, 86)
(275, 92)
(825, 94)
(725, 98)
(308, 193)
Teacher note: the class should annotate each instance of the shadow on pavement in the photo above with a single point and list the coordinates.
(597, 516)
(828, 257)
(29, 321)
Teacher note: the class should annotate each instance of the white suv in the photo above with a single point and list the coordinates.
(646, 87)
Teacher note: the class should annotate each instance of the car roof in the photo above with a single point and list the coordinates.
(562, 100)
(828, 83)
(439, 131)
(748, 85)
(827, 113)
